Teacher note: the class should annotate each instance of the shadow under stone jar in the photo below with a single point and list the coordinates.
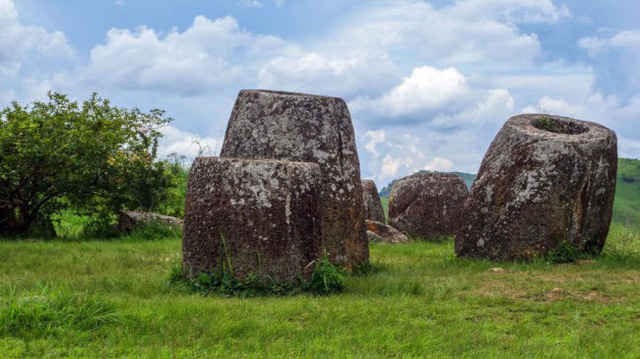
(545, 182)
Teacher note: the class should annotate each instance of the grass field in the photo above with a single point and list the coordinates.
(627, 204)
(112, 299)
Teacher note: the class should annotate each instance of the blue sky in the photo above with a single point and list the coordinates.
(428, 83)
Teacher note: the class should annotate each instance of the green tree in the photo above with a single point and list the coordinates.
(93, 156)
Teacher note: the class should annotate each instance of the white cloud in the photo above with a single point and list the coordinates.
(214, 54)
(260, 3)
(207, 56)
(8, 11)
(493, 109)
(546, 79)
(427, 88)
(439, 164)
(394, 166)
(628, 39)
(373, 139)
(554, 106)
(401, 153)
(175, 141)
(630, 148)
(6, 96)
(390, 167)
(618, 56)
(463, 33)
(252, 3)
(23, 45)
(317, 72)
(511, 11)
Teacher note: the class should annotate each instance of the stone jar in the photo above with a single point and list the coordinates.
(302, 127)
(546, 181)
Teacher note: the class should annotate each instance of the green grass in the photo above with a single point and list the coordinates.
(385, 206)
(626, 209)
(113, 299)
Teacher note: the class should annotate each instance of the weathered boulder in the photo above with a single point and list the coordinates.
(380, 232)
(373, 237)
(545, 181)
(309, 128)
(252, 217)
(130, 220)
(371, 199)
(427, 204)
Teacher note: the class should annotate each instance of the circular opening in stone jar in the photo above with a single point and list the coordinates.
(556, 125)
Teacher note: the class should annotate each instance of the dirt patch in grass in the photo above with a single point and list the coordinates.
(496, 289)
(536, 288)
(557, 294)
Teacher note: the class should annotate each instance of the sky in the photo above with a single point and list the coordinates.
(428, 83)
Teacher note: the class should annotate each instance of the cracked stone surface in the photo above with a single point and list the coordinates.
(372, 205)
(301, 127)
(545, 180)
(130, 220)
(257, 217)
(427, 204)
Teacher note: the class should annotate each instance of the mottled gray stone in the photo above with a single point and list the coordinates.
(256, 217)
(371, 199)
(301, 127)
(427, 204)
(380, 232)
(545, 181)
(130, 220)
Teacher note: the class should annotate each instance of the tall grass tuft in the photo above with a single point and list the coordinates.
(326, 278)
(54, 313)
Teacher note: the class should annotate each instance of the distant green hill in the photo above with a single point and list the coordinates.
(626, 208)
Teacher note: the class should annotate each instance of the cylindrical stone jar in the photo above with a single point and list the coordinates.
(546, 181)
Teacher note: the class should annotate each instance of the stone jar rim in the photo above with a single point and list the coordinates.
(558, 128)
(285, 93)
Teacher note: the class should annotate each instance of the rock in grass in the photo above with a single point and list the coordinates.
(301, 127)
(372, 205)
(130, 220)
(427, 204)
(380, 232)
(374, 237)
(546, 182)
(252, 217)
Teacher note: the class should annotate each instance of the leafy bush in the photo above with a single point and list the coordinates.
(172, 204)
(326, 278)
(565, 252)
(93, 157)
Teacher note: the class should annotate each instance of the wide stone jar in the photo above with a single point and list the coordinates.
(545, 182)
